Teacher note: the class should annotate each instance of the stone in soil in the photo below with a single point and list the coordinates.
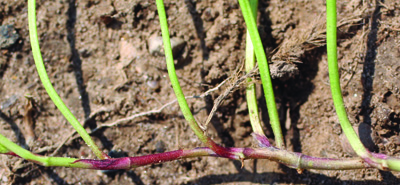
(8, 36)
(155, 44)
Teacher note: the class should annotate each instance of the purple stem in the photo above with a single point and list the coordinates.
(291, 159)
(261, 140)
(295, 160)
(132, 162)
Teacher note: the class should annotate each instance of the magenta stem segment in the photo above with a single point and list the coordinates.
(133, 162)
(265, 151)
(291, 159)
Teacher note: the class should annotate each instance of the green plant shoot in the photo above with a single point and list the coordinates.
(49, 88)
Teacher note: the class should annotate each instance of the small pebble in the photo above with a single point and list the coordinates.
(153, 84)
(8, 36)
(155, 44)
(156, 48)
(177, 45)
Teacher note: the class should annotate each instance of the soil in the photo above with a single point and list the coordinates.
(97, 57)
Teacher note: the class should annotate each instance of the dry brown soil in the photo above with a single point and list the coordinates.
(97, 57)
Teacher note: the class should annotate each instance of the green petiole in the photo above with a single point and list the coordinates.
(251, 97)
(379, 161)
(264, 71)
(49, 88)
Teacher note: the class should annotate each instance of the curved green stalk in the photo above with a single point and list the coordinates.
(335, 81)
(25, 154)
(251, 97)
(172, 74)
(3, 149)
(264, 71)
(47, 84)
(377, 160)
(221, 151)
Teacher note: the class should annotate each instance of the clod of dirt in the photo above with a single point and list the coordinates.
(155, 44)
(8, 102)
(283, 70)
(210, 14)
(127, 50)
(104, 8)
(366, 135)
(8, 36)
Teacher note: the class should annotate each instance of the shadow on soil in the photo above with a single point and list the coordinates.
(15, 129)
(369, 65)
(191, 6)
(278, 178)
(77, 65)
(293, 93)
